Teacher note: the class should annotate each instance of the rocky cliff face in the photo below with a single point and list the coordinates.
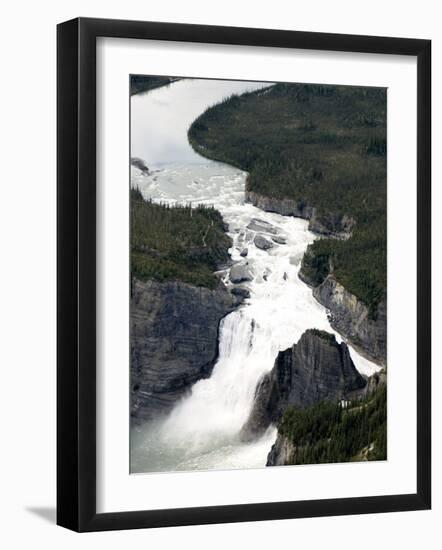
(174, 341)
(285, 207)
(315, 369)
(330, 224)
(374, 382)
(350, 317)
(282, 452)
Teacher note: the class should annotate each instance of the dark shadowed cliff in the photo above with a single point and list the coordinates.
(317, 368)
(174, 341)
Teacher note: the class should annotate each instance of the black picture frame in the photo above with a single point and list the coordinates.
(76, 274)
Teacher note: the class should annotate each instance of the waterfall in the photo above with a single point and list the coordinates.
(218, 406)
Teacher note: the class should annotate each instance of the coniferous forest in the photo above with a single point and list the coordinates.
(335, 432)
(176, 243)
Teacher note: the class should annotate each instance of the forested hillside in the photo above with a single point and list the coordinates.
(176, 243)
(328, 432)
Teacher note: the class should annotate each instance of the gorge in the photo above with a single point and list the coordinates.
(198, 354)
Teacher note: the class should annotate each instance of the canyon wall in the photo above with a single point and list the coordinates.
(174, 341)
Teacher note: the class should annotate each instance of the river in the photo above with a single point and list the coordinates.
(201, 433)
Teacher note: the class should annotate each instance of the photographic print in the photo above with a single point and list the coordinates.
(258, 268)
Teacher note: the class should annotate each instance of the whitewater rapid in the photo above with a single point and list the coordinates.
(202, 430)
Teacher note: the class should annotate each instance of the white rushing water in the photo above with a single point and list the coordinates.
(202, 430)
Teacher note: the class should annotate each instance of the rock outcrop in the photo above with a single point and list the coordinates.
(282, 452)
(279, 240)
(240, 292)
(315, 369)
(285, 207)
(262, 243)
(240, 273)
(328, 224)
(262, 226)
(351, 318)
(332, 224)
(374, 382)
(174, 341)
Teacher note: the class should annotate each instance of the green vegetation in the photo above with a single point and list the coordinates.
(327, 432)
(359, 264)
(323, 146)
(141, 83)
(176, 243)
(323, 334)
